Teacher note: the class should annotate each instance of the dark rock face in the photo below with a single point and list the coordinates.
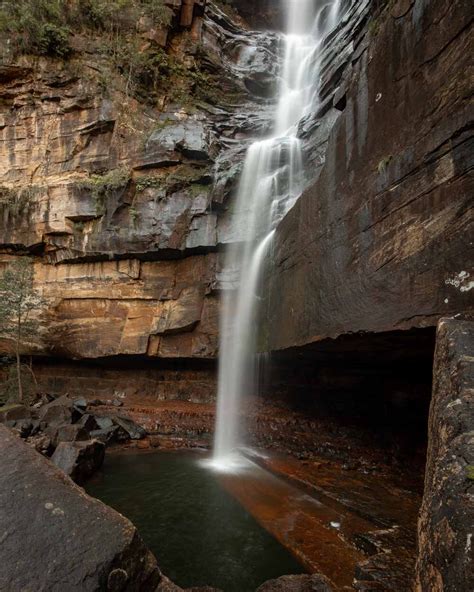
(79, 460)
(381, 240)
(445, 529)
(60, 523)
(313, 583)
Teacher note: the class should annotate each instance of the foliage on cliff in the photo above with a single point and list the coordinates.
(111, 28)
(44, 27)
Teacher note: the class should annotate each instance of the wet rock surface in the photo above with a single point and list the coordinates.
(445, 529)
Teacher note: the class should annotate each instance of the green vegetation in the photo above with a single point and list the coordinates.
(17, 201)
(18, 301)
(36, 26)
(79, 225)
(183, 176)
(45, 27)
(374, 27)
(101, 186)
(134, 215)
(147, 182)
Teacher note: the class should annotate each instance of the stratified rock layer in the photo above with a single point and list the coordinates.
(382, 240)
(446, 525)
(122, 202)
(73, 542)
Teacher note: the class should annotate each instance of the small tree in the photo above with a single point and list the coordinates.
(18, 300)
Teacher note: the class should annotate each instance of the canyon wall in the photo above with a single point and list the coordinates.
(118, 188)
(383, 240)
(123, 196)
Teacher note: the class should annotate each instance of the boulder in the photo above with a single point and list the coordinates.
(104, 422)
(132, 429)
(55, 538)
(108, 435)
(79, 406)
(72, 433)
(59, 411)
(88, 422)
(446, 524)
(79, 460)
(300, 583)
(14, 413)
(71, 409)
(23, 427)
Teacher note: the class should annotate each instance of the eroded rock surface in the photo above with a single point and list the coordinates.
(446, 525)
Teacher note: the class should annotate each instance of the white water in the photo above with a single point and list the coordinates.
(271, 181)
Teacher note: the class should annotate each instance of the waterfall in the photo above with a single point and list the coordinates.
(271, 181)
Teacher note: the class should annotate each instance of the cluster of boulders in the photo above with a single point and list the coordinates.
(69, 431)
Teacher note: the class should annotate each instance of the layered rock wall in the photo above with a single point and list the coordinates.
(126, 203)
(383, 239)
(131, 380)
(122, 200)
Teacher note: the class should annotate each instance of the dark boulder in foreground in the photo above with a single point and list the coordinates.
(55, 538)
(446, 525)
(79, 460)
(303, 583)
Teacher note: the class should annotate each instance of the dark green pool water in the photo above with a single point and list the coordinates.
(198, 532)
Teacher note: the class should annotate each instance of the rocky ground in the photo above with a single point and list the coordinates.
(69, 432)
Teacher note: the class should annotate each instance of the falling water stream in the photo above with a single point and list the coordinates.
(271, 181)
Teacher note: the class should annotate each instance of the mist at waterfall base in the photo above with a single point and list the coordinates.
(273, 178)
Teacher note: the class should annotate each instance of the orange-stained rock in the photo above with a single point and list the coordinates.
(128, 307)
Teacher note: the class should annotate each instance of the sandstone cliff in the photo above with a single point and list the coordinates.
(117, 185)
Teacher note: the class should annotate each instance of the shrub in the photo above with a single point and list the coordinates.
(36, 26)
(102, 186)
(53, 40)
(43, 27)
